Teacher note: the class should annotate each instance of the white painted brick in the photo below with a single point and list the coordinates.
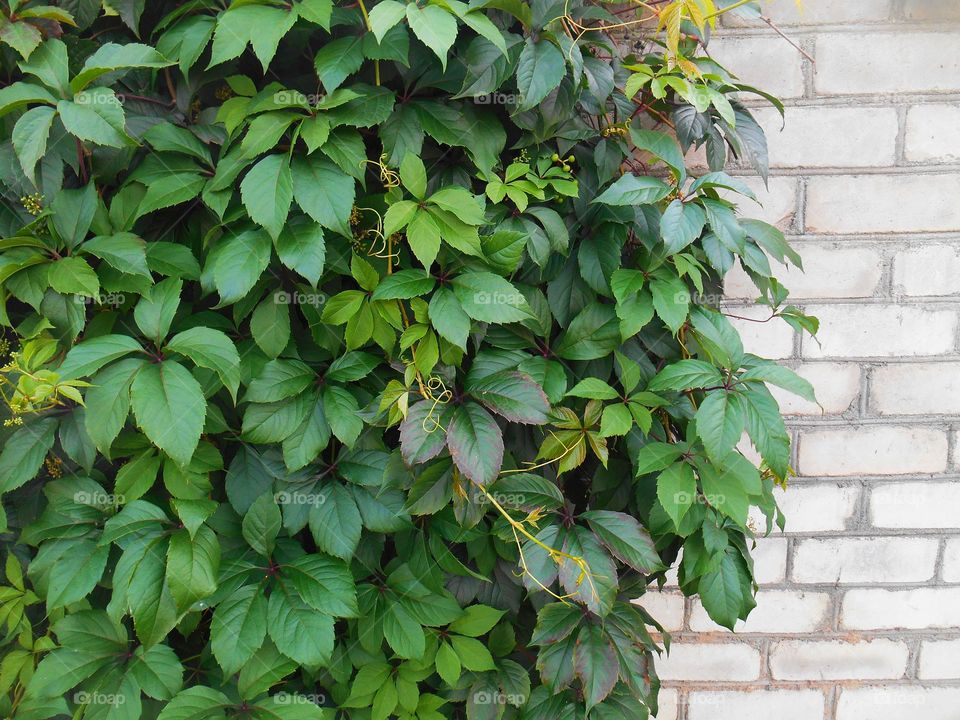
(932, 133)
(916, 389)
(824, 12)
(951, 561)
(750, 59)
(837, 386)
(883, 203)
(869, 609)
(665, 607)
(710, 661)
(757, 705)
(831, 270)
(897, 703)
(770, 560)
(881, 331)
(915, 505)
(773, 339)
(776, 202)
(820, 136)
(778, 611)
(838, 660)
(865, 560)
(886, 63)
(927, 269)
(939, 660)
(872, 450)
(931, 10)
(813, 508)
(669, 704)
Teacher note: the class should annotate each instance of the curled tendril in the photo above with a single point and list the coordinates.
(431, 423)
(388, 177)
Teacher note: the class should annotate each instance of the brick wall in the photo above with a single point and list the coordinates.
(859, 610)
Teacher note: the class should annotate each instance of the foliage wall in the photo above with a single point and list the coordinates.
(367, 360)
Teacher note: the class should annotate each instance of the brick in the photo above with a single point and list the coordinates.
(875, 609)
(814, 508)
(886, 63)
(915, 505)
(872, 450)
(865, 560)
(837, 660)
(831, 270)
(710, 661)
(883, 203)
(916, 389)
(939, 660)
(927, 269)
(896, 703)
(779, 612)
(820, 13)
(776, 202)
(951, 561)
(931, 10)
(665, 607)
(770, 560)
(931, 134)
(881, 331)
(773, 339)
(750, 59)
(837, 387)
(756, 705)
(845, 136)
(669, 704)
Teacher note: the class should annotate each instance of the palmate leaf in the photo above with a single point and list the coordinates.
(169, 406)
(475, 443)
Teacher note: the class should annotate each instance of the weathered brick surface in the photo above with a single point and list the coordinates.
(858, 615)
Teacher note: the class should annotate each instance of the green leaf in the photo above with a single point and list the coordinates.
(625, 538)
(593, 389)
(76, 575)
(435, 27)
(725, 591)
(476, 620)
(340, 408)
(108, 401)
(662, 146)
(773, 374)
(681, 224)
(656, 456)
(211, 349)
(116, 56)
(402, 632)
(475, 442)
(155, 311)
(540, 70)
(95, 116)
(192, 566)
(270, 326)
(299, 631)
(595, 663)
(404, 284)
(685, 375)
(91, 355)
(267, 192)
(169, 406)
(301, 248)
(338, 59)
(335, 522)
(72, 275)
(124, 251)
(29, 137)
(195, 703)
(592, 334)
(325, 584)
(511, 395)
(489, 298)
(634, 190)
(448, 317)
(239, 264)
(324, 193)
(677, 490)
(261, 524)
(616, 420)
(719, 423)
(384, 15)
(238, 628)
